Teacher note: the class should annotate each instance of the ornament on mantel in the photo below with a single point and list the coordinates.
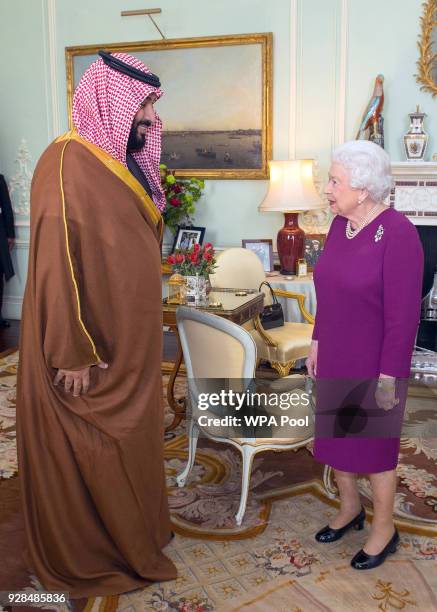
(416, 139)
(372, 123)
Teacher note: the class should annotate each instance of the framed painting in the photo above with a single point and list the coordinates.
(217, 107)
(314, 245)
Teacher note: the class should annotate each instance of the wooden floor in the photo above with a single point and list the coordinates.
(10, 338)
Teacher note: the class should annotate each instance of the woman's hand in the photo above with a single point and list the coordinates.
(311, 362)
(78, 379)
(385, 395)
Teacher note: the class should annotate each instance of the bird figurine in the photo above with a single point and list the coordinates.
(371, 127)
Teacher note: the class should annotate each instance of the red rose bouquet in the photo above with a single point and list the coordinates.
(194, 261)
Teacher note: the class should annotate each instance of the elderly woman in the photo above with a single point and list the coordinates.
(368, 284)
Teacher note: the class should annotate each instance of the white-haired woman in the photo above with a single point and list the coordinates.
(368, 284)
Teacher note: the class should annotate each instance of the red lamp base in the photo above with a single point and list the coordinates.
(291, 244)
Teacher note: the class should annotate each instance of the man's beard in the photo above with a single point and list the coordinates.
(136, 141)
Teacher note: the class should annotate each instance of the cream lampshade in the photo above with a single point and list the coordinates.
(291, 190)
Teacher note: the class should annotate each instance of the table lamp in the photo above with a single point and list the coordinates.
(291, 190)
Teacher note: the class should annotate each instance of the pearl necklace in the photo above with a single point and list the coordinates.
(351, 233)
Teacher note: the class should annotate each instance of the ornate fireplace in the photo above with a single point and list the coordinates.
(415, 194)
(415, 191)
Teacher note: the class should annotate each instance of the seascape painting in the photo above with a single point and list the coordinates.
(212, 149)
(216, 105)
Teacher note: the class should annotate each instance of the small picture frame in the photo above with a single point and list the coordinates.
(314, 245)
(302, 267)
(263, 247)
(186, 237)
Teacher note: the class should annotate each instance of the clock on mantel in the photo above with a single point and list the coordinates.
(414, 191)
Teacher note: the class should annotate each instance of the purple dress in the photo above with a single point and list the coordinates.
(368, 309)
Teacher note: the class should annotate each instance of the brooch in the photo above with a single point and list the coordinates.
(379, 233)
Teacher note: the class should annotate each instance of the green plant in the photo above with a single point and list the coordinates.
(180, 195)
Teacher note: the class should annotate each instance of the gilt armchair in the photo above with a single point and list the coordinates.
(283, 346)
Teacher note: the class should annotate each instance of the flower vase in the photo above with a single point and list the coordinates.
(196, 290)
(416, 139)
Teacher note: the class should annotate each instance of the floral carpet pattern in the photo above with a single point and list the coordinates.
(8, 381)
(273, 557)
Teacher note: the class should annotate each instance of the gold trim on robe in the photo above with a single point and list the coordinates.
(122, 173)
(70, 263)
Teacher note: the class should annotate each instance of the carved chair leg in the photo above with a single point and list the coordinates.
(283, 368)
(193, 435)
(330, 488)
(248, 453)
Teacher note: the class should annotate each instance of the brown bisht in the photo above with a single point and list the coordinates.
(91, 467)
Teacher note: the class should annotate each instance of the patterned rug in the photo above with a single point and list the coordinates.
(400, 584)
(272, 558)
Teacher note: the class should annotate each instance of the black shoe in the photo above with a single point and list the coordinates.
(363, 561)
(329, 534)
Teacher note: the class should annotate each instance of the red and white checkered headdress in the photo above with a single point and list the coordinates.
(104, 106)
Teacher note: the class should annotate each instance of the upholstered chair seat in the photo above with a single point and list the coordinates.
(283, 346)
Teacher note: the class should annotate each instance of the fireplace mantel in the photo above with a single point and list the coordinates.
(415, 191)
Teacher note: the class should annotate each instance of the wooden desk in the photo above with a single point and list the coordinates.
(237, 309)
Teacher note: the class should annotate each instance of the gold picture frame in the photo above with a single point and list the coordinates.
(224, 158)
(427, 44)
(314, 245)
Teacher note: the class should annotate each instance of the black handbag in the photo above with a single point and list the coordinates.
(272, 315)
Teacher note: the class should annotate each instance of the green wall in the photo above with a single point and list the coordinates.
(326, 56)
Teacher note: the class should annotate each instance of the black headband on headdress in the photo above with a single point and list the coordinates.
(117, 64)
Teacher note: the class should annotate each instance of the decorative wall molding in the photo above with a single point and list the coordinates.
(12, 307)
(22, 243)
(341, 81)
(53, 81)
(19, 185)
(316, 221)
(293, 80)
(422, 169)
(13, 300)
(298, 88)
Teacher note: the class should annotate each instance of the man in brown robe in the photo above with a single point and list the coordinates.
(89, 402)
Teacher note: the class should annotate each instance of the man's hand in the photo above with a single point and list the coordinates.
(385, 395)
(311, 362)
(11, 243)
(78, 379)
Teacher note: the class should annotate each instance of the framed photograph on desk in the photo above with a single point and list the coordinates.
(264, 249)
(186, 237)
(314, 245)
